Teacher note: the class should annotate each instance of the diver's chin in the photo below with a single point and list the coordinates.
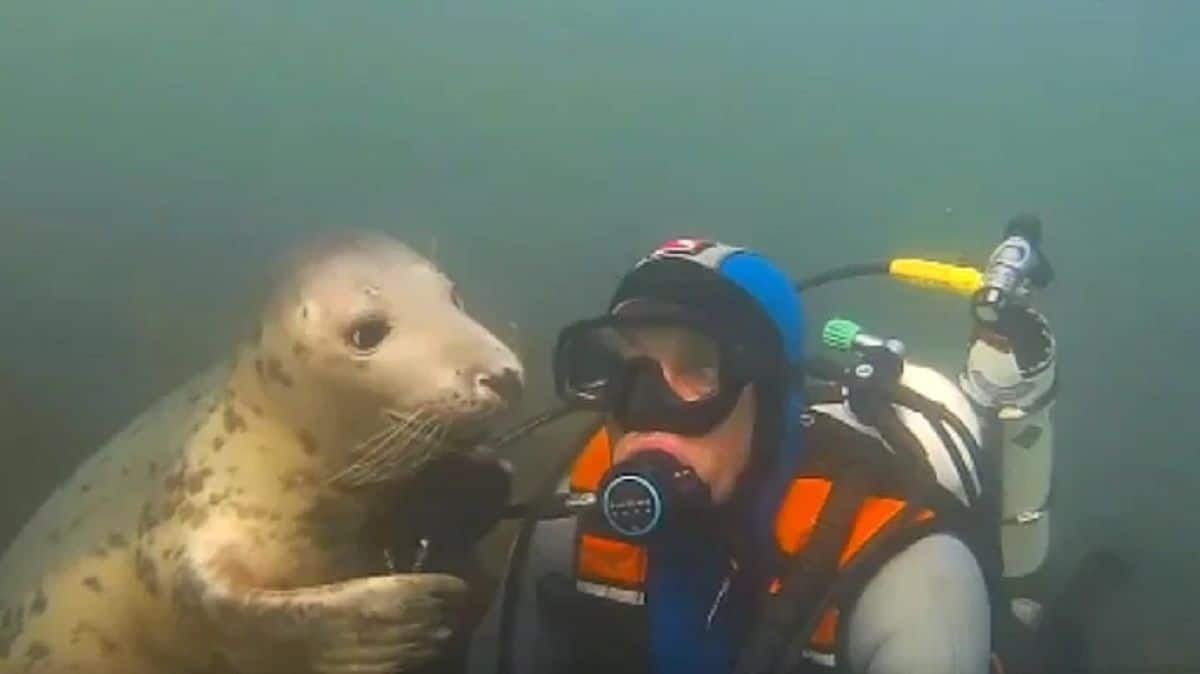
(640, 442)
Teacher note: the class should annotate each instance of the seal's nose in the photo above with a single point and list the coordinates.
(507, 384)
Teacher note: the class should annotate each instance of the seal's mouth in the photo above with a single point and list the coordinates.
(408, 442)
(469, 434)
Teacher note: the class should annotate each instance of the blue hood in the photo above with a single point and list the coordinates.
(774, 292)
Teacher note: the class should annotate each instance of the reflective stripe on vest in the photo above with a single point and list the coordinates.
(616, 570)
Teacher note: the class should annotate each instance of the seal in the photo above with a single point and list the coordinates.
(225, 529)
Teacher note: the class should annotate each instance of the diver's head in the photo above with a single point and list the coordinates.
(692, 365)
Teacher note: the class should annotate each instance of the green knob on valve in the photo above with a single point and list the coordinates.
(840, 333)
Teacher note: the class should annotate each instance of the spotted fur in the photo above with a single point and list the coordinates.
(210, 536)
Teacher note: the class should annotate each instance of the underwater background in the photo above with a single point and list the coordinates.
(153, 156)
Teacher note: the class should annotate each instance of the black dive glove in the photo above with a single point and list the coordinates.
(441, 515)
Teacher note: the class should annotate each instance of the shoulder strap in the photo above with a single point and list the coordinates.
(858, 467)
(793, 612)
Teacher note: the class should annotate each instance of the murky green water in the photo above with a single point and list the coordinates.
(152, 154)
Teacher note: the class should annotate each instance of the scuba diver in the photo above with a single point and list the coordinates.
(728, 515)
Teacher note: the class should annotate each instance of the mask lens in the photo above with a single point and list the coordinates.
(688, 360)
(588, 366)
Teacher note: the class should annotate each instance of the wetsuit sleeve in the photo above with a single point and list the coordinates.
(534, 650)
(925, 612)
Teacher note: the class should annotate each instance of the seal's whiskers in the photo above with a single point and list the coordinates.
(407, 441)
(413, 428)
(369, 449)
(430, 439)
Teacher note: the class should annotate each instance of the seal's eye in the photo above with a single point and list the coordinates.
(367, 333)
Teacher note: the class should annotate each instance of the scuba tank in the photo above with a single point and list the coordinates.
(1011, 374)
(1022, 401)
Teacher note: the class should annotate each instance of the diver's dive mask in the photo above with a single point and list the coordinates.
(658, 371)
(652, 368)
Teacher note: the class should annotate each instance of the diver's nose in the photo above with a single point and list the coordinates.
(507, 384)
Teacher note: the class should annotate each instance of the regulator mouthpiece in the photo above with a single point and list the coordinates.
(649, 493)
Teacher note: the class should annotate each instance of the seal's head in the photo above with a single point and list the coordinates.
(358, 331)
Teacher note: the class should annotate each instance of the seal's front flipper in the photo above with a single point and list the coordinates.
(387, 624)
(352, 647)
(375, 624)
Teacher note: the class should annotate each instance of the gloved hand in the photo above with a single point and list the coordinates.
(456, 502)
(1011, 363)
(434, 528)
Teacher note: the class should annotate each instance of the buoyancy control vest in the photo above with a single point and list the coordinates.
(844, 515)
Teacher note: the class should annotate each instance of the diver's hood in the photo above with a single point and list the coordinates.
(750, 294)
(754, 301)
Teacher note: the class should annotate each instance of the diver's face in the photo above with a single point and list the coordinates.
(718, 457)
